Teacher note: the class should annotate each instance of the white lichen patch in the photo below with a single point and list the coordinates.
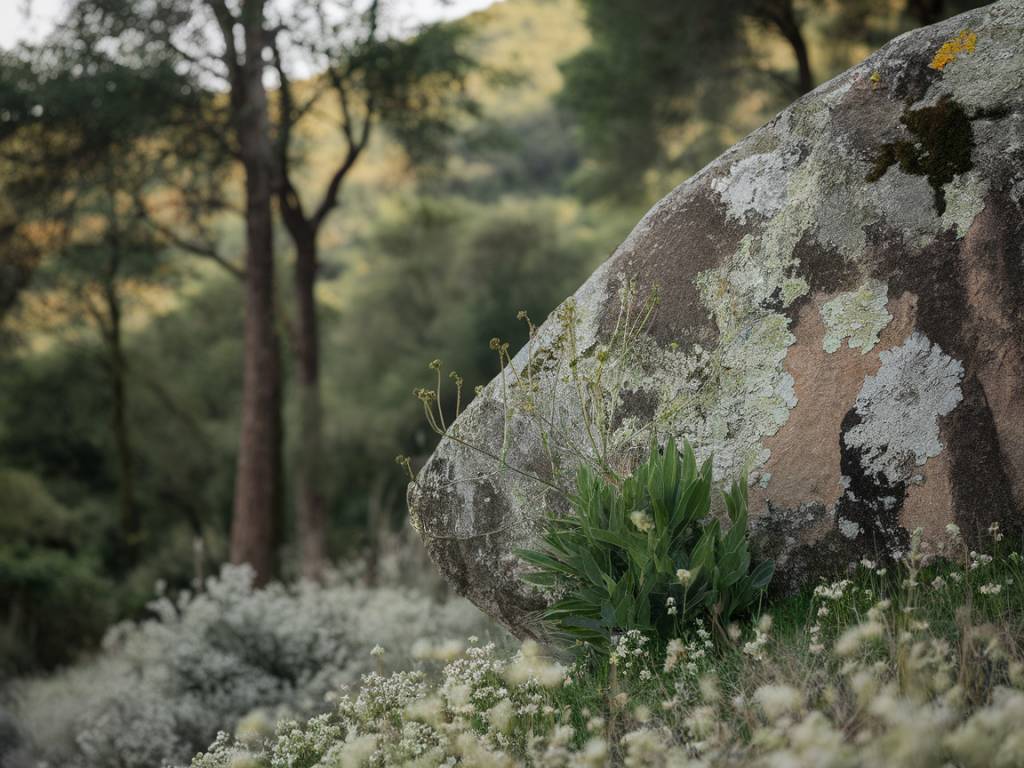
(899, 408)
(849, 528)
(859, 316)
(756, 184)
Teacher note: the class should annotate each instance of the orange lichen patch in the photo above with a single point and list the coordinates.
(952, 49)
(929, 503)
(804, 462)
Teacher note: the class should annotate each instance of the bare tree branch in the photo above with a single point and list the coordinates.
(203, 250)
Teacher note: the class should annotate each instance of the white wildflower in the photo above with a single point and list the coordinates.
(500, 715)
(254, 727)
(852, 639)
(778, 700)
(674, 654)
(641, 520)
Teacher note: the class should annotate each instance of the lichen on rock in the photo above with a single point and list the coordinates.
(899, 408)
(856, 315)
(965, 199)
(756, 184)
(953, 49)
(728, 399)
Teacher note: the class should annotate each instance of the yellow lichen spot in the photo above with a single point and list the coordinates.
(952, 49)
(875, 79)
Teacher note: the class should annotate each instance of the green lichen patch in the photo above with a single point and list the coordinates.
(792, 289)
(943, 140)
(858, 316)
(725, 400)
(966, 199)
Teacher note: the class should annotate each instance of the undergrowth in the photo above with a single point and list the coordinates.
(646, 555)
(913, 664)
(161, 688)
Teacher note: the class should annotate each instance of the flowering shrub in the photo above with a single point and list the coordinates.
(480, 711)
(919, 667)
(647, 555)
(228, 656)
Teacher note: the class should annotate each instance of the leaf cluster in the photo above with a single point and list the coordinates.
(648, 555)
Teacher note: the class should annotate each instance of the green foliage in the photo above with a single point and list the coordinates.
(417, 85)
(641, 74)
(647, 556)
(55, 427)
(49, 590)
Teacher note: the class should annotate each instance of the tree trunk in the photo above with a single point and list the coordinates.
(16, 267)
(257, 479)
(376, 527)
(312, 515)
(805, 78)
(780, 13)
(926, 12)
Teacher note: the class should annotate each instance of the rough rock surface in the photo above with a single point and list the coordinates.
(841, 314)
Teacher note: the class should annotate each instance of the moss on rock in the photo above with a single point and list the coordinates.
(940, 149)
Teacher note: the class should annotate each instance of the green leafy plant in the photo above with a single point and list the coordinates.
(646, 554)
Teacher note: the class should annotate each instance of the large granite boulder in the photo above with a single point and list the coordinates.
(841, 314)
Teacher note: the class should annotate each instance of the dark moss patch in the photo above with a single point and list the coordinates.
(996, 112)
(940, 149)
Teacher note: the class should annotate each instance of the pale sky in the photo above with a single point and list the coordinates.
(32, 19)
